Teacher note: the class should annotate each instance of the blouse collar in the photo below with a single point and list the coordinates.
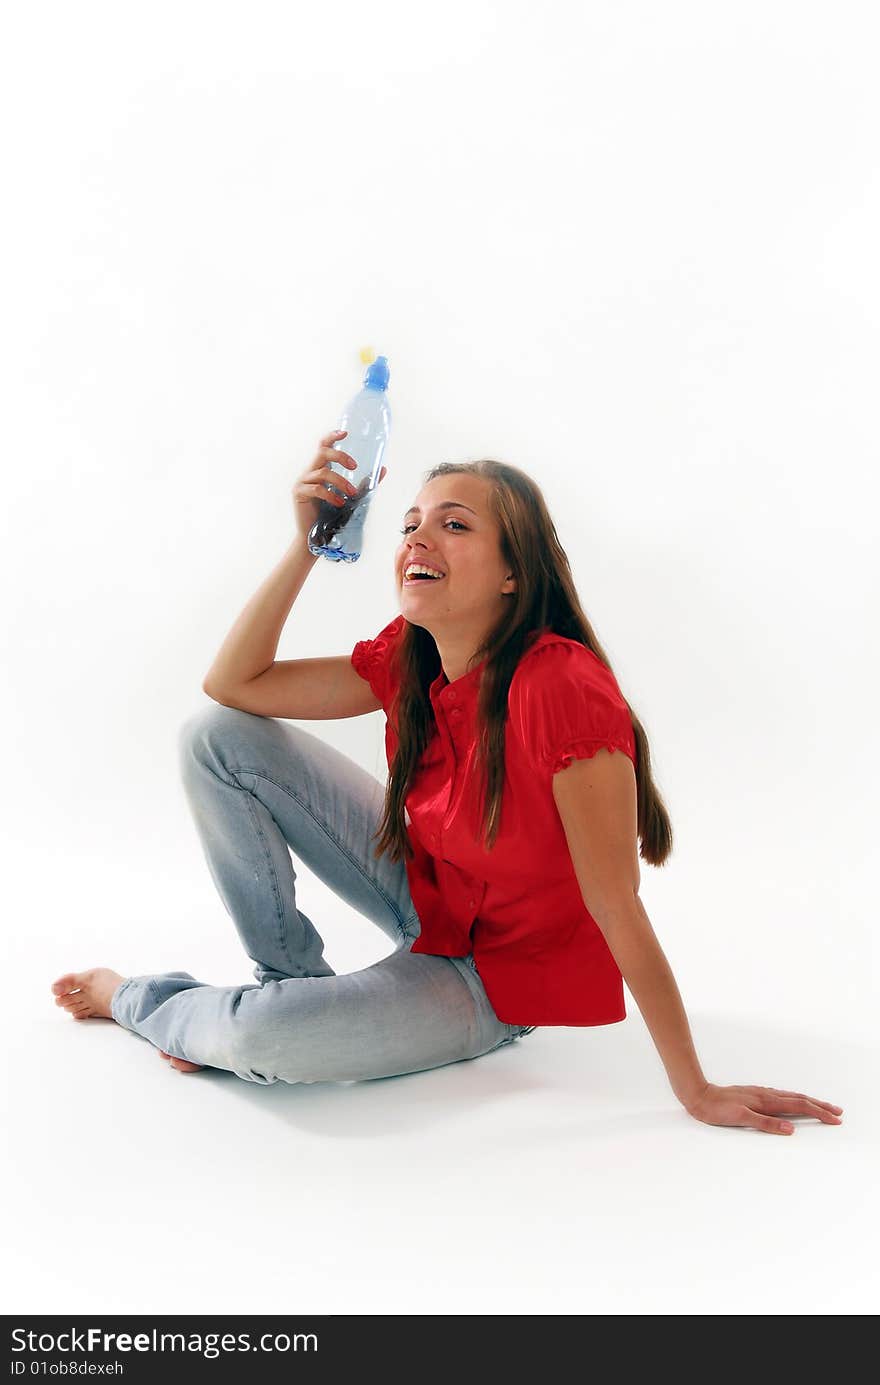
(467, 685)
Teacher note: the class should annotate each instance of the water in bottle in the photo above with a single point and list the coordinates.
(338, 531)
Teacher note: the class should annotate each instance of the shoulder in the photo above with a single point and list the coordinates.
(389, 633)
(563, 700)
(554, 659)
(371, 658)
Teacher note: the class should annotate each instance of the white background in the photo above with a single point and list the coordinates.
(630, 249)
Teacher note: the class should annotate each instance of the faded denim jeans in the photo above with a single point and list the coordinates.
(258, 789)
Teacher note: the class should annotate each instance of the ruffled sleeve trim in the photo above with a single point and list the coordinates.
(584, 750)
(565, 704)
(369, 658)
(362, 660)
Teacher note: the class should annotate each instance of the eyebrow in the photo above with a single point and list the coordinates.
(444, 505)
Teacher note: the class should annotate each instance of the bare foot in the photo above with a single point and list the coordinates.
(181, 1064)
(87, 994)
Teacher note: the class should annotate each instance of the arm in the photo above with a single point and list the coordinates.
(246, 674)
(646, 971)
(598, 805)
(249, 648)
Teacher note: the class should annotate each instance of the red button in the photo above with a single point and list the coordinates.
(472, 903)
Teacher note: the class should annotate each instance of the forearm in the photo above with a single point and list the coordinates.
(642, 962)
(251, 645)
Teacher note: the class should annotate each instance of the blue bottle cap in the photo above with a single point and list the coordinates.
(377, 375)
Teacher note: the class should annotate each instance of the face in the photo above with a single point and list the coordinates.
(463, 542)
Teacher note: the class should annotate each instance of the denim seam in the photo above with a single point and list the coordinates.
(509, 1036)
(281, 938)
(240, 769)
(474, 1002)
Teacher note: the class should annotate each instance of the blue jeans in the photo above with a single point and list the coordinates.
(256, 787)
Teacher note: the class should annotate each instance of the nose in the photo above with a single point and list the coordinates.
(417, 552)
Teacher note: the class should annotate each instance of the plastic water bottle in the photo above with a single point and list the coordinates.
(339, 529)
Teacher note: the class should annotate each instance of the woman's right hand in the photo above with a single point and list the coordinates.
(310, 489)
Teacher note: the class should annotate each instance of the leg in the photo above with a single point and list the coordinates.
(406, 1013)
(256, 787)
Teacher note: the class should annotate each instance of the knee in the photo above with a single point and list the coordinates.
(206, 730)
(252, 1053)
(283, 1031)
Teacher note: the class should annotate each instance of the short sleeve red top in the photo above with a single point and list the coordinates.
(518, 908)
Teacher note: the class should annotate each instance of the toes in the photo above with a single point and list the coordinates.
(65, 983)
(76, 1003)
(180, 1064)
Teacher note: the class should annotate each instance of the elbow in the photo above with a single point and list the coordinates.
(211, 691)
(612, 912)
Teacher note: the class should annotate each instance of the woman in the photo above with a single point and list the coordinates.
(501, 858)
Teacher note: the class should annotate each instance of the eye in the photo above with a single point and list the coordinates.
(406, 528)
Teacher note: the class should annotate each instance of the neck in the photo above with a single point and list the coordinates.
(457, 654)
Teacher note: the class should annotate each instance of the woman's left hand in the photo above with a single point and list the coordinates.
(758, 1107)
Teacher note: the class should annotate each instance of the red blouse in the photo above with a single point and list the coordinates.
(540, 954)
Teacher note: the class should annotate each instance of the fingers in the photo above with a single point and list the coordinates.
(318, 482)
(783, 1104)
(329, 454)
(326, 475)
(762, 1108)
(768, 1123)
(335, 479)
(828, 1105)
(321, 477)
(332, 454)
(797, 1103)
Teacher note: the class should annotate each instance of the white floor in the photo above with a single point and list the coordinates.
(558, 1175)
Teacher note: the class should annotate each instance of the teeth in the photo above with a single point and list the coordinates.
(422, 567)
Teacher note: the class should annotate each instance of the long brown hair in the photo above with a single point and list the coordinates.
(545, 598)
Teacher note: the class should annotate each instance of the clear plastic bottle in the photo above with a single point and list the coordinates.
(338, 532)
